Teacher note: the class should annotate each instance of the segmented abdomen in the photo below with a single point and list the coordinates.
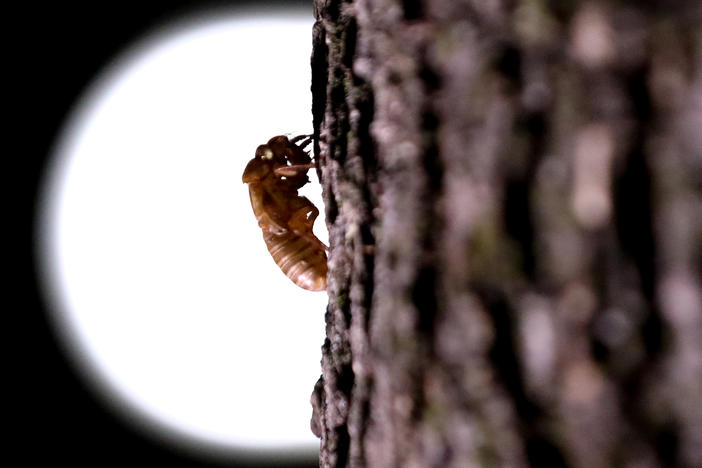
(300, 258)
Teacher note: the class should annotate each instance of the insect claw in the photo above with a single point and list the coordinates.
(301, 137)
(304, 139)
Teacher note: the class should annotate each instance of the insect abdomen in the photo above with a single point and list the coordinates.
(300, 259)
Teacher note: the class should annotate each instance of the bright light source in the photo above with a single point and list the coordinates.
(165, 293)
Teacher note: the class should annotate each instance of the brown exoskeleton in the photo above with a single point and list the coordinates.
(275, 174)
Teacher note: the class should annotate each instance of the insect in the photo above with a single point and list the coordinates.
(275, 174)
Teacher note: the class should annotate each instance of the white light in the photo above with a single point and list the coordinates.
(164, 290)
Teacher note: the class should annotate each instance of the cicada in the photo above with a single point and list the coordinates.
(275, 174)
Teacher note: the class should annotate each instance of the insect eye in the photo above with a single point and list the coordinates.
(264, 152)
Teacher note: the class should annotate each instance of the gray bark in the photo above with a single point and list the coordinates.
(513, 191)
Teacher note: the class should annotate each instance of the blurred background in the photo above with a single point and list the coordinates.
(161, 329)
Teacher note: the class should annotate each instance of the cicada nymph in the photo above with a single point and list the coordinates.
(275, 174)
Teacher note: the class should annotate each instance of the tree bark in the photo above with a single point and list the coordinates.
(513, 191)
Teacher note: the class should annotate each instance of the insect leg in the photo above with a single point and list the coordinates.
(293, 170)
(306, 140)
(267, 223)
(302, 221)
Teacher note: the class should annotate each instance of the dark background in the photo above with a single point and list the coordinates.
(60, 49)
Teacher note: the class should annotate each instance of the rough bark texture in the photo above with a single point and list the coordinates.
(513, 192)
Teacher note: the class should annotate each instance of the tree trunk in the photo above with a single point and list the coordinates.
(513, 191)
